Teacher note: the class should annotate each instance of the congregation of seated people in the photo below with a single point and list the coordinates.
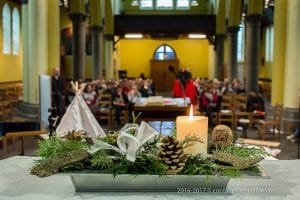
(124, 94)
(211, 93)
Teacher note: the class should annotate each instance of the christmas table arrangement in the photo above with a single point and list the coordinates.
(137, 157)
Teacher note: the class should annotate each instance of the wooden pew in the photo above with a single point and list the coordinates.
(21, 135)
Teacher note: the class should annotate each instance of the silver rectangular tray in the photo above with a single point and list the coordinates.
(94, 182)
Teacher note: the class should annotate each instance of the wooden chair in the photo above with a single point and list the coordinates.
(6, 108)
(2, 146)
(2, 113)
(240, 109)
(226, 115)
(12, 96)
(273, 124)
(124, 117)
(227, 101)
(12, 136)
(105, 109)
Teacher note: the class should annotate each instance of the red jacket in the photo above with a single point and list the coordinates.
(205, 101)
(189, 90)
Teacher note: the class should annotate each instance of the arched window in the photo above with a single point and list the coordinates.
(164, 52)
(16, 31)
(241, 43)
(182, 4)
(164, 4)
(6, 28)
(146, 4)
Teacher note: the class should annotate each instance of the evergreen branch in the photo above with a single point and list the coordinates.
(190, 140)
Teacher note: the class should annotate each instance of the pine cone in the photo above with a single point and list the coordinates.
(171, 153)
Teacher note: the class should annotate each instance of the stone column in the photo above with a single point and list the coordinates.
(96, 21)
(25, 51)
(53, 35)
(79, 44)
(278, 65)
(97, 46)
(211, 62)
(109, 65)
(219, 63)
(252, 52)
(35, 54)
(219, 40)
(232, 33)
(291, 92)
(37, 46)
(109, 40)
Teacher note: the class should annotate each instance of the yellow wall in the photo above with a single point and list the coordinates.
(135, 55)
(10, 65)
(265, 69)
(65, 21)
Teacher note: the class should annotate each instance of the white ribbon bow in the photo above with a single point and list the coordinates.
(131, 138)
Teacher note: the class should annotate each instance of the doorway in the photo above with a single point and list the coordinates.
(164, 56)
(163, 79)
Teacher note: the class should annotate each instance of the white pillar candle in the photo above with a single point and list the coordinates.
(193, 125)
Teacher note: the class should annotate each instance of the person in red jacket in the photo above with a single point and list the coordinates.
(184, 86)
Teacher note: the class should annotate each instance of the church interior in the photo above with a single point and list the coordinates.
(235, 62)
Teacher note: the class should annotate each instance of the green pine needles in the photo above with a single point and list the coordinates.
(56, 146)
(62, 155)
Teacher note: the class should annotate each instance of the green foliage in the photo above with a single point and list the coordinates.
(198, 165)
(55, 151)
(144, 164)
(254, 169)
(73, 167)
(232, 172)
(55, 146)
(190, 140)
(101, 160)
(243, 151)
(151, 146)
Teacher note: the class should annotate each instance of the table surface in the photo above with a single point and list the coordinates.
(168, 102)
(17, 183)
(168, 112)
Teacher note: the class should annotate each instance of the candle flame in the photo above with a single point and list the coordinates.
(191, 113)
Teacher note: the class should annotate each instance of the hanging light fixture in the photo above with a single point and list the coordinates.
(133, 36)
(194, 3)
(196, 36)
(135, 3)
